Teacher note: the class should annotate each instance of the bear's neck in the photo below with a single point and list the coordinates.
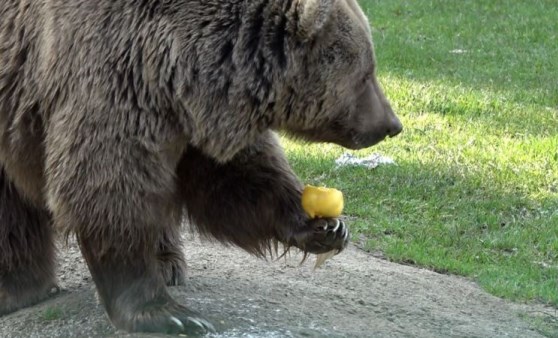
(234, 57)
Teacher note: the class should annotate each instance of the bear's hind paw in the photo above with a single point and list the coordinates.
(11, 301)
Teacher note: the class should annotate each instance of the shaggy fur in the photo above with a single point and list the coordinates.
(120, 118)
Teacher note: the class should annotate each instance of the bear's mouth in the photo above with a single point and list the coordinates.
(347, 138)
(362, 141)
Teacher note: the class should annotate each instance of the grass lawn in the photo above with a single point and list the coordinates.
(475, 188)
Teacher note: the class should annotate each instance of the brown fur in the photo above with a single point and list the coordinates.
(26, 250)
(120, 118)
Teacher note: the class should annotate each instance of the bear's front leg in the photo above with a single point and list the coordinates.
(171, 256)
(118, 196)
(254, 199)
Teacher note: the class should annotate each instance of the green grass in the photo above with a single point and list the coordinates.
(475, 188)
(52, 313)
(545, 323)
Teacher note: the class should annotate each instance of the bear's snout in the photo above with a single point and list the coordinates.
(394, 128)
(373, 119)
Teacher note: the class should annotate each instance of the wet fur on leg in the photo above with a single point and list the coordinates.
(27, 252)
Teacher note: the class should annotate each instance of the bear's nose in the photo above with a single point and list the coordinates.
(395, 128)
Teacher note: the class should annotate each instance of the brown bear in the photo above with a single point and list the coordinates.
(121, 119)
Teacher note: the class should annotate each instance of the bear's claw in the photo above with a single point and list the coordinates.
(162, 316)
(322, 235)
(192, 325)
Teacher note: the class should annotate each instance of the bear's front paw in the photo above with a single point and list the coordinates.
(163, 317)
(322, 235)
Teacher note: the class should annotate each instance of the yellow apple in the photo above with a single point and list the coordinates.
(322, 202)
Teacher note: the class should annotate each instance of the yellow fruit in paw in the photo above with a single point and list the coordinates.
(322, 202)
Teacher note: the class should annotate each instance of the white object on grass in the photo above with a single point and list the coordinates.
(369, 162)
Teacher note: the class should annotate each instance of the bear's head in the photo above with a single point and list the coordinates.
(332, 90)
(302, 66)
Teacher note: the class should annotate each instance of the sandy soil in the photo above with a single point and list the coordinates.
(352, 295)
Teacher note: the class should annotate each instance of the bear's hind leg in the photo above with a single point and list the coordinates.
(27, 252)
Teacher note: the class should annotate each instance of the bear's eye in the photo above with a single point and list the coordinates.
(365, 80)
(362, 85)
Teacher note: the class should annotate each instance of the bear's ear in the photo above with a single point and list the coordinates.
(313, 16)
